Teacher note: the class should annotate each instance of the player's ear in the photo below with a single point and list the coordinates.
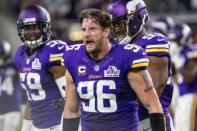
(107, 32)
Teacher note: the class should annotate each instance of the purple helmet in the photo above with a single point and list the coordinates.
(34, 17)
(129, 16)
(182, 34)
(162, 25)
(5, 51)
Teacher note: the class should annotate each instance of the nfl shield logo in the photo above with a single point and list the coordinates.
(96, 68)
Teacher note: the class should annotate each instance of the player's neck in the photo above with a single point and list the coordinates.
(30, 52)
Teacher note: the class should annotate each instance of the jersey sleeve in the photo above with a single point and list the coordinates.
(72, 52)
(192, 55)
(64, 60)
(56, 49)
(17, 56)
(137, 59)
(158, 46)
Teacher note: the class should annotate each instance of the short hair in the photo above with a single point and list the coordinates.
(103, 18)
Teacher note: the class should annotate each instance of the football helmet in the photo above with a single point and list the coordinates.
(182, 34)
(129, 16)
(34, 26)
(5, 51)
(162, 24)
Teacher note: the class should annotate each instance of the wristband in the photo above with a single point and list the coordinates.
(71, 124)
(61, 83)
(157, 121)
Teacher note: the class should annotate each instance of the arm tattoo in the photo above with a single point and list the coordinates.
(147, 81)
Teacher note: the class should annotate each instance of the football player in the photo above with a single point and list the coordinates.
(106, 79)
(185, 111)
(129, 19)
(162, 24)
(38, 59)
(10, 90)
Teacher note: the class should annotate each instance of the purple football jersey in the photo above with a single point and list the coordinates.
(189, 53)
(157, 45)
(39, 83)
(10, 91)
(107, 100)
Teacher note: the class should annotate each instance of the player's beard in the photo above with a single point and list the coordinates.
(94, 49)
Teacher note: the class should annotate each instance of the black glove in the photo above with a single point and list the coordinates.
(71, 124)
(157, 121)
(58, 103)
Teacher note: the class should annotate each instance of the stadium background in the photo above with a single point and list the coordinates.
(64, 14)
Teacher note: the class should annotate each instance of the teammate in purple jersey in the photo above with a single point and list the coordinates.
(129, 18)
(162, 24)
(186, 109)
(38, 60)
(104, 81)
(10, 91)
(189, 70)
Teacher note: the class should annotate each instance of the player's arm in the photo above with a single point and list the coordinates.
(55, 50)
(59, 76)
(71, 109)
(158, 69)
(27, 118)
(142, 84)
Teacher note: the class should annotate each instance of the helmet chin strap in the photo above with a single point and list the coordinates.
(125, 40)
(128, 38)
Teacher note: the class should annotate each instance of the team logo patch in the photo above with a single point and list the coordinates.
(112, 71)
(36, 64)
(81, 70)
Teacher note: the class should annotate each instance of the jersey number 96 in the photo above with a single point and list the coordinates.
(94, 98)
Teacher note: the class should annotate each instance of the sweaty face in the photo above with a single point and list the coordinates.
(32, 32)
(120, 28)
(92, 35)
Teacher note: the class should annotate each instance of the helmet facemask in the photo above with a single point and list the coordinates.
(135, 16)
(34, 34)
(34, 28)
(120, 27)
(136, 21)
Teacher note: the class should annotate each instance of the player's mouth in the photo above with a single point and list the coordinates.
(90, 45)
(89, 42)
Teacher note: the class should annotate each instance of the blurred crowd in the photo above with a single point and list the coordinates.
(64, 14)
(65, 26)
(183, 51)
